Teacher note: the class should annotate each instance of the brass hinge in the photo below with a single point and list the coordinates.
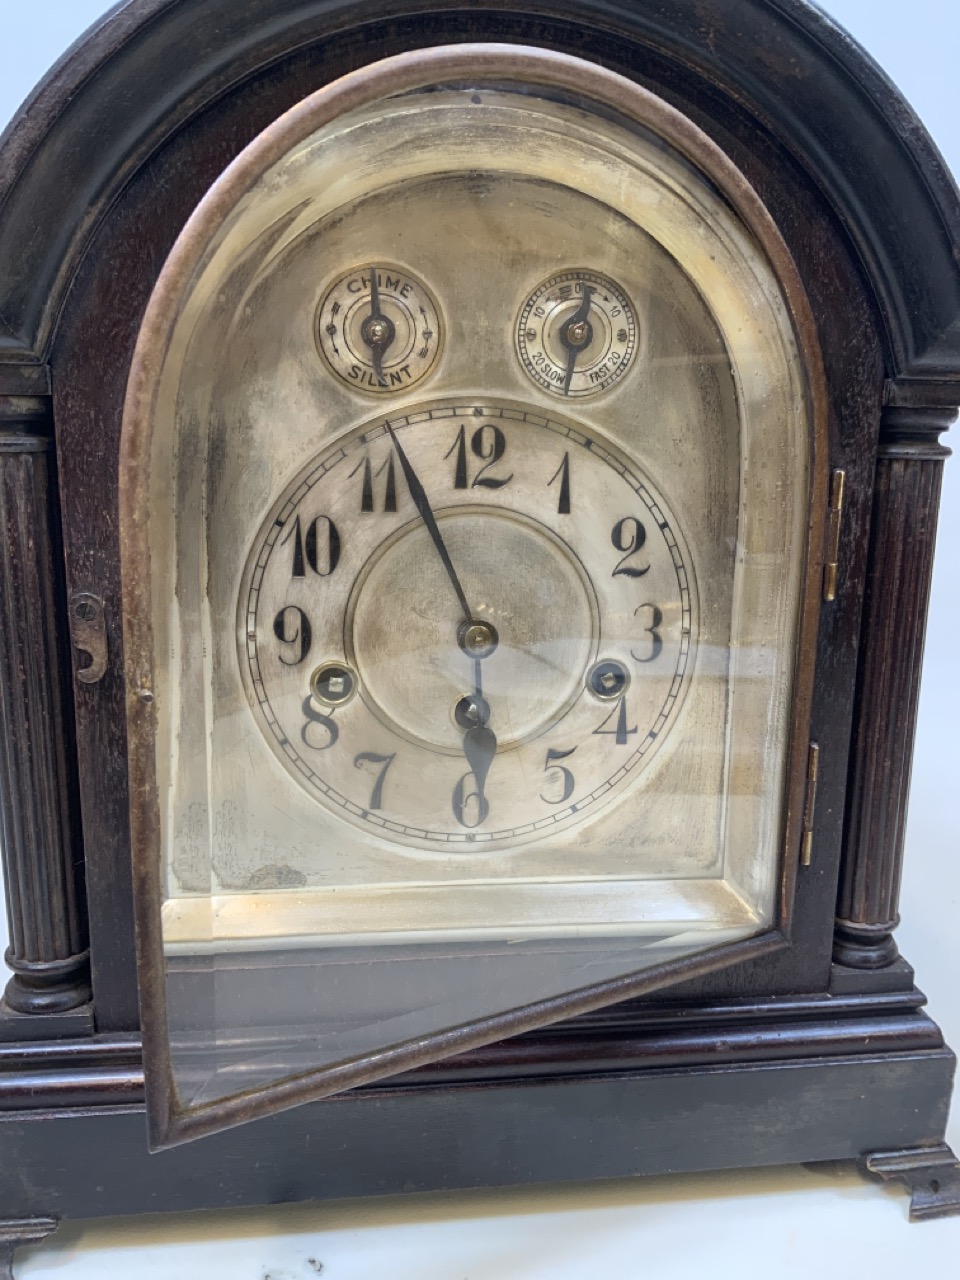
(89, 636)
(832, 557)
(810, 803)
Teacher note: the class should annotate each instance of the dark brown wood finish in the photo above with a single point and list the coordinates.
(636, 1090)
(165, 60)
(39, 835)
(115, 280)
(906, 498)
(90, 1162)
(635, 1036)
(735, 1069)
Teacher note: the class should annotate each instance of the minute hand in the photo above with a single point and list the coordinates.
(422, 504)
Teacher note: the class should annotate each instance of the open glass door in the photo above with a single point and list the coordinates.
(471, 455)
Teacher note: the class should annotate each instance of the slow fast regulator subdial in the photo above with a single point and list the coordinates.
(577, 334)
(379, 329)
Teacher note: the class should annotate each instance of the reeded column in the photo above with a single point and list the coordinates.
(40, 843)
(903, 535)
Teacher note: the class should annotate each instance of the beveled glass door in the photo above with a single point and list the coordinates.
(472, 451)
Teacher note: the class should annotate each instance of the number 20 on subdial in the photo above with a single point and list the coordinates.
(351, 640)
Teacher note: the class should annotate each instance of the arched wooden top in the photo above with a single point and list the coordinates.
(149, 66)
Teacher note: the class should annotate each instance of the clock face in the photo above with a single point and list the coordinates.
(468, 625)
(467, 495)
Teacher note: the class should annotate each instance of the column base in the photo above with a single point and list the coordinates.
(53, 986)
(864, 946)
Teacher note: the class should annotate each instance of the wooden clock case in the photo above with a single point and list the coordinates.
(823, 1051)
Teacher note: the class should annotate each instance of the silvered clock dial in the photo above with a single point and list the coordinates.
(511, 601)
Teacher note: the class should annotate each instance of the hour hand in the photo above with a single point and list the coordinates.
(479, 741)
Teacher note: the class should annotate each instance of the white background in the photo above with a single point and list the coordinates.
(788, 1222)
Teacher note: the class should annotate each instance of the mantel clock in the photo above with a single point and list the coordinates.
(468, 489)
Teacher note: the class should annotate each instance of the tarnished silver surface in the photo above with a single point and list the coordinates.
(550, 590)
(473, 191)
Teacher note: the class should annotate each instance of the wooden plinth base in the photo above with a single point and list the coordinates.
(646, 1091)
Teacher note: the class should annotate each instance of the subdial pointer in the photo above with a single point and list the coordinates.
(575, 335)
(378, 330)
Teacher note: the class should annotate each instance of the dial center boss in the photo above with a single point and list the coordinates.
(534, 654)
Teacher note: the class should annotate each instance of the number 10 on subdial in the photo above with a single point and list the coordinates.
(471, 627)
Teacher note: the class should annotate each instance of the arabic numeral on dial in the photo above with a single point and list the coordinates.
(489, 444)
(628, 536)
(318, 731)
(367, 499)
(291, 626)
(318, 548)
(563, 474)
(489, 448)
(371, 757)
(460, 469)
(620, 733)
(655, 615)
(558, 773)
(470, 808)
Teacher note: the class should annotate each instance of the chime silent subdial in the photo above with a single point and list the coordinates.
(379, 329)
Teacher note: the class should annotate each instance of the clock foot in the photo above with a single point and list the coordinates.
(18, 1233)
(931, 1173)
